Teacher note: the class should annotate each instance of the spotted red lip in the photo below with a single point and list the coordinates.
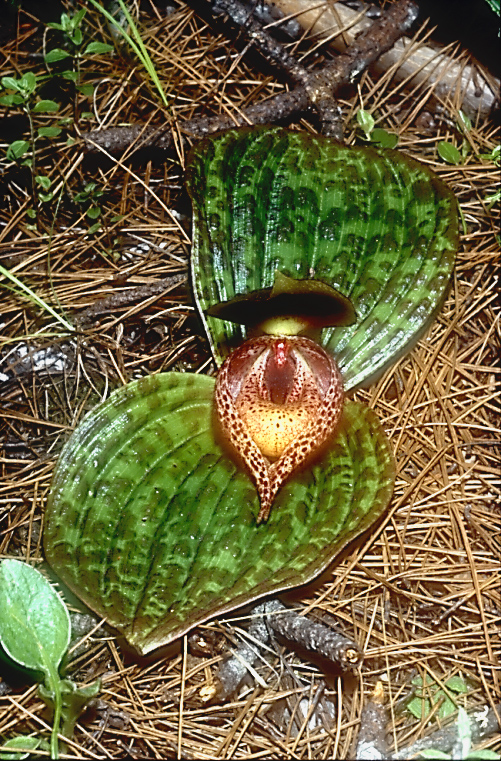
(278, 400)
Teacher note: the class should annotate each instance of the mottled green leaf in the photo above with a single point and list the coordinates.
(376, 225)
(151, 523)
(495, 6)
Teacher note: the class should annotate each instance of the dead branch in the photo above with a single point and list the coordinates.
(131, 296)
(275, 618)
(456, 82)
(273, 50)
(318, 90)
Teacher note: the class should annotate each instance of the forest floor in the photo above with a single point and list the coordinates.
(420, 593)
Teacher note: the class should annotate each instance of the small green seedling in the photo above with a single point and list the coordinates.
(449, 153)
(428, 693)
(35, 634)
(493, 157)
(374, 134)
(21, 747)
(463, 744)
(73, 39)
(494, 198)
(135, 42)
(23, 93)
(88, 197)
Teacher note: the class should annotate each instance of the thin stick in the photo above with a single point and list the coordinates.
(318, 91)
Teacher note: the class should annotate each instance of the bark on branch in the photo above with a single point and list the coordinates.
(318, 89)
(275, 618)
(456, 81)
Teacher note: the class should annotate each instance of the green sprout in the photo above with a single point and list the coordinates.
(34, 635)
(463, 726)
(373, 134)
(34, 298)
(136, 44)
(428, 693)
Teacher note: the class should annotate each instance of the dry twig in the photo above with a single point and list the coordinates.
(317, 89)
(274, 617)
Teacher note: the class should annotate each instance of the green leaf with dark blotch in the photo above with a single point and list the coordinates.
(151, 523)
(34, 622)
(376, 225)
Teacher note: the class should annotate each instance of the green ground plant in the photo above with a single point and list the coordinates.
(25, 93)
(463, 725)
(373, 134)
(427, 693)
(35, 634)
(133, 40)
